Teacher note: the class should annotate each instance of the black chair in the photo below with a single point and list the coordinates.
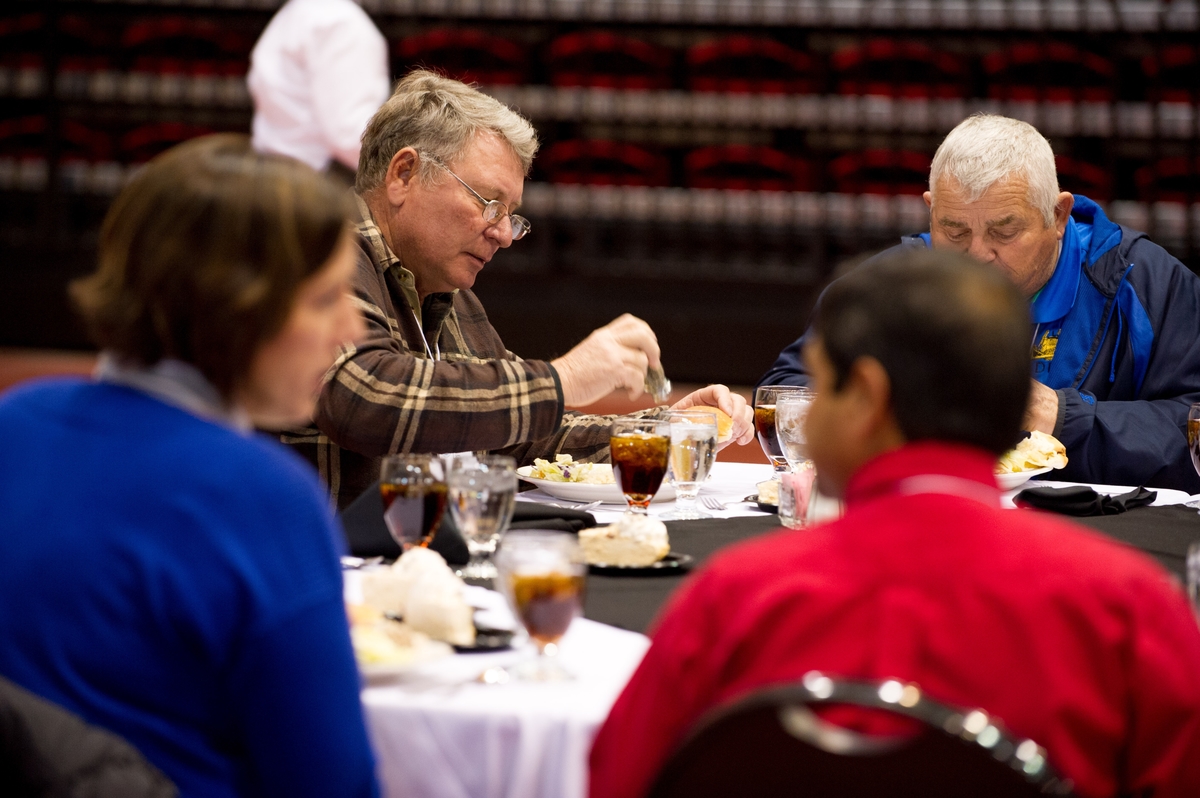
(48, 752)
(771, 743)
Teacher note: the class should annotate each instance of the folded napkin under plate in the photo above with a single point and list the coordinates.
(367, 535)
(1080, 500)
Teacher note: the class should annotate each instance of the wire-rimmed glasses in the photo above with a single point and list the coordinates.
(493, 210)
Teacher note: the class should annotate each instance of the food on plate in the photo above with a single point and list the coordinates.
(724, 422)
(768, 492)
(422, 589)
(565, 469)
(380, 641)
(635, 540)
(1037, 451)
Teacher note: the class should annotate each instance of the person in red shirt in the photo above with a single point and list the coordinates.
(921, 367)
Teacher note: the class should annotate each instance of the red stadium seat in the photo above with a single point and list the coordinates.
(606, 60)
(746, 168)
(1051, 71)
(1173, 74)
(1080, 177)
(748, 64)
(1170, 180)
(895, 68)
(888, 172)
(469, 55)
(605, 163)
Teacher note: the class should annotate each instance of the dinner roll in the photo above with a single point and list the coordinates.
(724, 422)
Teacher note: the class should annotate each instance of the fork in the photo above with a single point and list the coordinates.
(713, 504)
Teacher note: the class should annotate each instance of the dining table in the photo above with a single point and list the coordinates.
(444, 730)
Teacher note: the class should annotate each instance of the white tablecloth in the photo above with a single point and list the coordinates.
(732, 482)
(438, 733)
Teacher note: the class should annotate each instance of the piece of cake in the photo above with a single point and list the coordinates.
(768, 492)
(635, 540)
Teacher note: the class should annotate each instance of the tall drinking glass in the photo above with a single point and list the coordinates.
(765, 399)
(542, 574)
(795, 485)
(413, 489)
(640, 450)
(482, 494)
(1193, 435)
(693, 450)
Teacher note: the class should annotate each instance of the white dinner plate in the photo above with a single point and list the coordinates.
(1016, 479)
(584, 492)
(430, 651)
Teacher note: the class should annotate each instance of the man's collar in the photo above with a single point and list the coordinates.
(387, 259)
(921, 458)
(1057, 296)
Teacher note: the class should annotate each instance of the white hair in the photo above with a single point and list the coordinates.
(985, 149)
(439, 117)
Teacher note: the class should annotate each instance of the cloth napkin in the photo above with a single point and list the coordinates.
(530, 515)
(367, 535)
(1080, 500)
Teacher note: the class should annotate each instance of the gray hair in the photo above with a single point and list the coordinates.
(985, 149)
(439, 117)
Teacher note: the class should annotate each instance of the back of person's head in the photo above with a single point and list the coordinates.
(985, 149)
(201, 254)
(438, 117)
(952, 334)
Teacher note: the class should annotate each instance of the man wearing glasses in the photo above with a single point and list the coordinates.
(440, 176)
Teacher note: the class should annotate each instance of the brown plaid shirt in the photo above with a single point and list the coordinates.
(386, 395)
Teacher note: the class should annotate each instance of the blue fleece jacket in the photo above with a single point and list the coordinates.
(177, 582)
(1117, 336)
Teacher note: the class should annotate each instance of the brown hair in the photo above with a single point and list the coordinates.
(201, 254)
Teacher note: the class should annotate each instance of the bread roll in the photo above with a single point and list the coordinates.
(724, 422)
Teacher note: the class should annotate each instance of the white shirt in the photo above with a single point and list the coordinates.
(317, 74)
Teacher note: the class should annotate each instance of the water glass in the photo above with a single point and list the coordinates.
(693, 451)
(791, 414)
(482, 493)
(542, 574)
(797, 491)
(765, 399)
(413, 490)
(640, 451)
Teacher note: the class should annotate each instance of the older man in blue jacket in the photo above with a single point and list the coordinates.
(1115, 335)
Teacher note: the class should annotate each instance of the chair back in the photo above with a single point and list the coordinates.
(48, 752)
(771, 743)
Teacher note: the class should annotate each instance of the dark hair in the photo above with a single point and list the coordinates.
(201, 254)
(952, 334)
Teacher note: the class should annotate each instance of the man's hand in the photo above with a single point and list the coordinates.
(1042, 413)
(731, 403)
(614, 356)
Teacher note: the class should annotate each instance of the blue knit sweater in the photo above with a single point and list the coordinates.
(177, 582)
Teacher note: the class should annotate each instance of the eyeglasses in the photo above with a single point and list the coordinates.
(493, 210)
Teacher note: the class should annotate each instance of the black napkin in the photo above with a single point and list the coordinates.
(1080, 500)
(529, 515)
(367, 535)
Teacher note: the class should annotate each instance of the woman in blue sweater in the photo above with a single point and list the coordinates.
(165, 572)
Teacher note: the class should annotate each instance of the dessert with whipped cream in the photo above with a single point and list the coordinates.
(635, 540)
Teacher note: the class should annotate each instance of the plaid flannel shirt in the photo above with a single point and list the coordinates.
(386, 395)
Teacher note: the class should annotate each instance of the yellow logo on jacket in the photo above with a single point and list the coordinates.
(1044, 348)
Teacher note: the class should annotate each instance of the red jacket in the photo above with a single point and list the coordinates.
(1069, 638)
